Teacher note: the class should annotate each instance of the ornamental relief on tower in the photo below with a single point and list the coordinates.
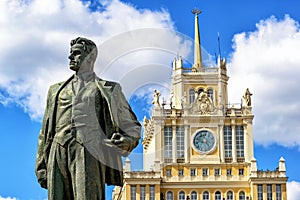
(202, 105)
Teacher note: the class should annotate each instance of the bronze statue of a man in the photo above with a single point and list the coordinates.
(87, 126)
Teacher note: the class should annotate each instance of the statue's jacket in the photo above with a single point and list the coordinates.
(117, 116)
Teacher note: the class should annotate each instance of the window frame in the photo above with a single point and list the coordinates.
(240, 141)
(192, 95)
(181, 195)
(194, 195)
(180, 140)
(168, 142)
(229, 170)
(152, 192)
(180, 172)
(242, 195)
(269, 192)
(205, 195)
(169, 195)
(205, 172)
(227, 132)
(241, 172)
(132, 192)
(142, 192)
(260, 192)
(217, 171)
(219, 197)
(228, 197)
(278, 192)
(168, 172)
(210, 94)
(194, 172)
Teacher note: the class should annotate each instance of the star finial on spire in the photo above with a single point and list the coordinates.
(196, 11)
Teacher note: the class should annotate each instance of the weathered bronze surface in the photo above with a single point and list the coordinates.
(87, 126)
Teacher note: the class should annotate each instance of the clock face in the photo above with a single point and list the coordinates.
(204, 141)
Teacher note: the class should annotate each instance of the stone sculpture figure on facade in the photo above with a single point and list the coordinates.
(204, 103)
(87, 126)
(155, 101)
(247, 97)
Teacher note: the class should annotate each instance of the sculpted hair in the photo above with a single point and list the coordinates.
(88, 45)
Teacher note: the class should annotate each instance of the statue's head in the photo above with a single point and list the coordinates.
(83, 54)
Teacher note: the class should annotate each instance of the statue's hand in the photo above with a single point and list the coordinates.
(120, 141)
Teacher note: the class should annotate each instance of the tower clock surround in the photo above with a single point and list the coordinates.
(204, 141)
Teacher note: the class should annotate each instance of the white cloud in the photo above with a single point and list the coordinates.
(35, 42)
(267, 61)
(293, 190)
(8, 198)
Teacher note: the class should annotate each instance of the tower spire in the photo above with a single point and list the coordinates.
(197, 46)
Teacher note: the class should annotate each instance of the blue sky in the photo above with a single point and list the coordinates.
(260, 39)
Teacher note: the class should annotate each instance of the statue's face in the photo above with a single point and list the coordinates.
(77, 56)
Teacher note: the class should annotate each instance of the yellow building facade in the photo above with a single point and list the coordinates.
(198, 147)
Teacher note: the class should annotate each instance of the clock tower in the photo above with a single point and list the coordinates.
(197, 145)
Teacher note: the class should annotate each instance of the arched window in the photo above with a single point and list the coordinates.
(210, 94)
(191, 96)
(229, 195)
(194, 195)
(218, 195)
(169, 195)
(205, 195)
(181, 195)
(242, 196)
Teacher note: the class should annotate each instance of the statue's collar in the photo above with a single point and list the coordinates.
(85, 76)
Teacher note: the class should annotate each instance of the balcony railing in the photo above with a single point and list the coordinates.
(203, 70)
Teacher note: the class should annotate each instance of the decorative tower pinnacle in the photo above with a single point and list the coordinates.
(197, 46)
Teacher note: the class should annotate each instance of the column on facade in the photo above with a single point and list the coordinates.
(233, 144)
(186, 144)
(250, 139)
(157, 191)
(147, 191)
(159, 141)
(222, 151)
(138, 191)
(174, 152)
(246, 144)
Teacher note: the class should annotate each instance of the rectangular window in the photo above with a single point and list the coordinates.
(152, 192)
(239, 141)
(241, 172)
(168, 172)
(180, 141)
(193, 172)
(132, 192)
(204, 172)
(180, 172)
(269, 192)
(228, 172)
(227, 141)
(168, 136)
(259, 192)
(191, 96)
(142, 192)
(278, 192)
(210, 94)
(217, 172)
